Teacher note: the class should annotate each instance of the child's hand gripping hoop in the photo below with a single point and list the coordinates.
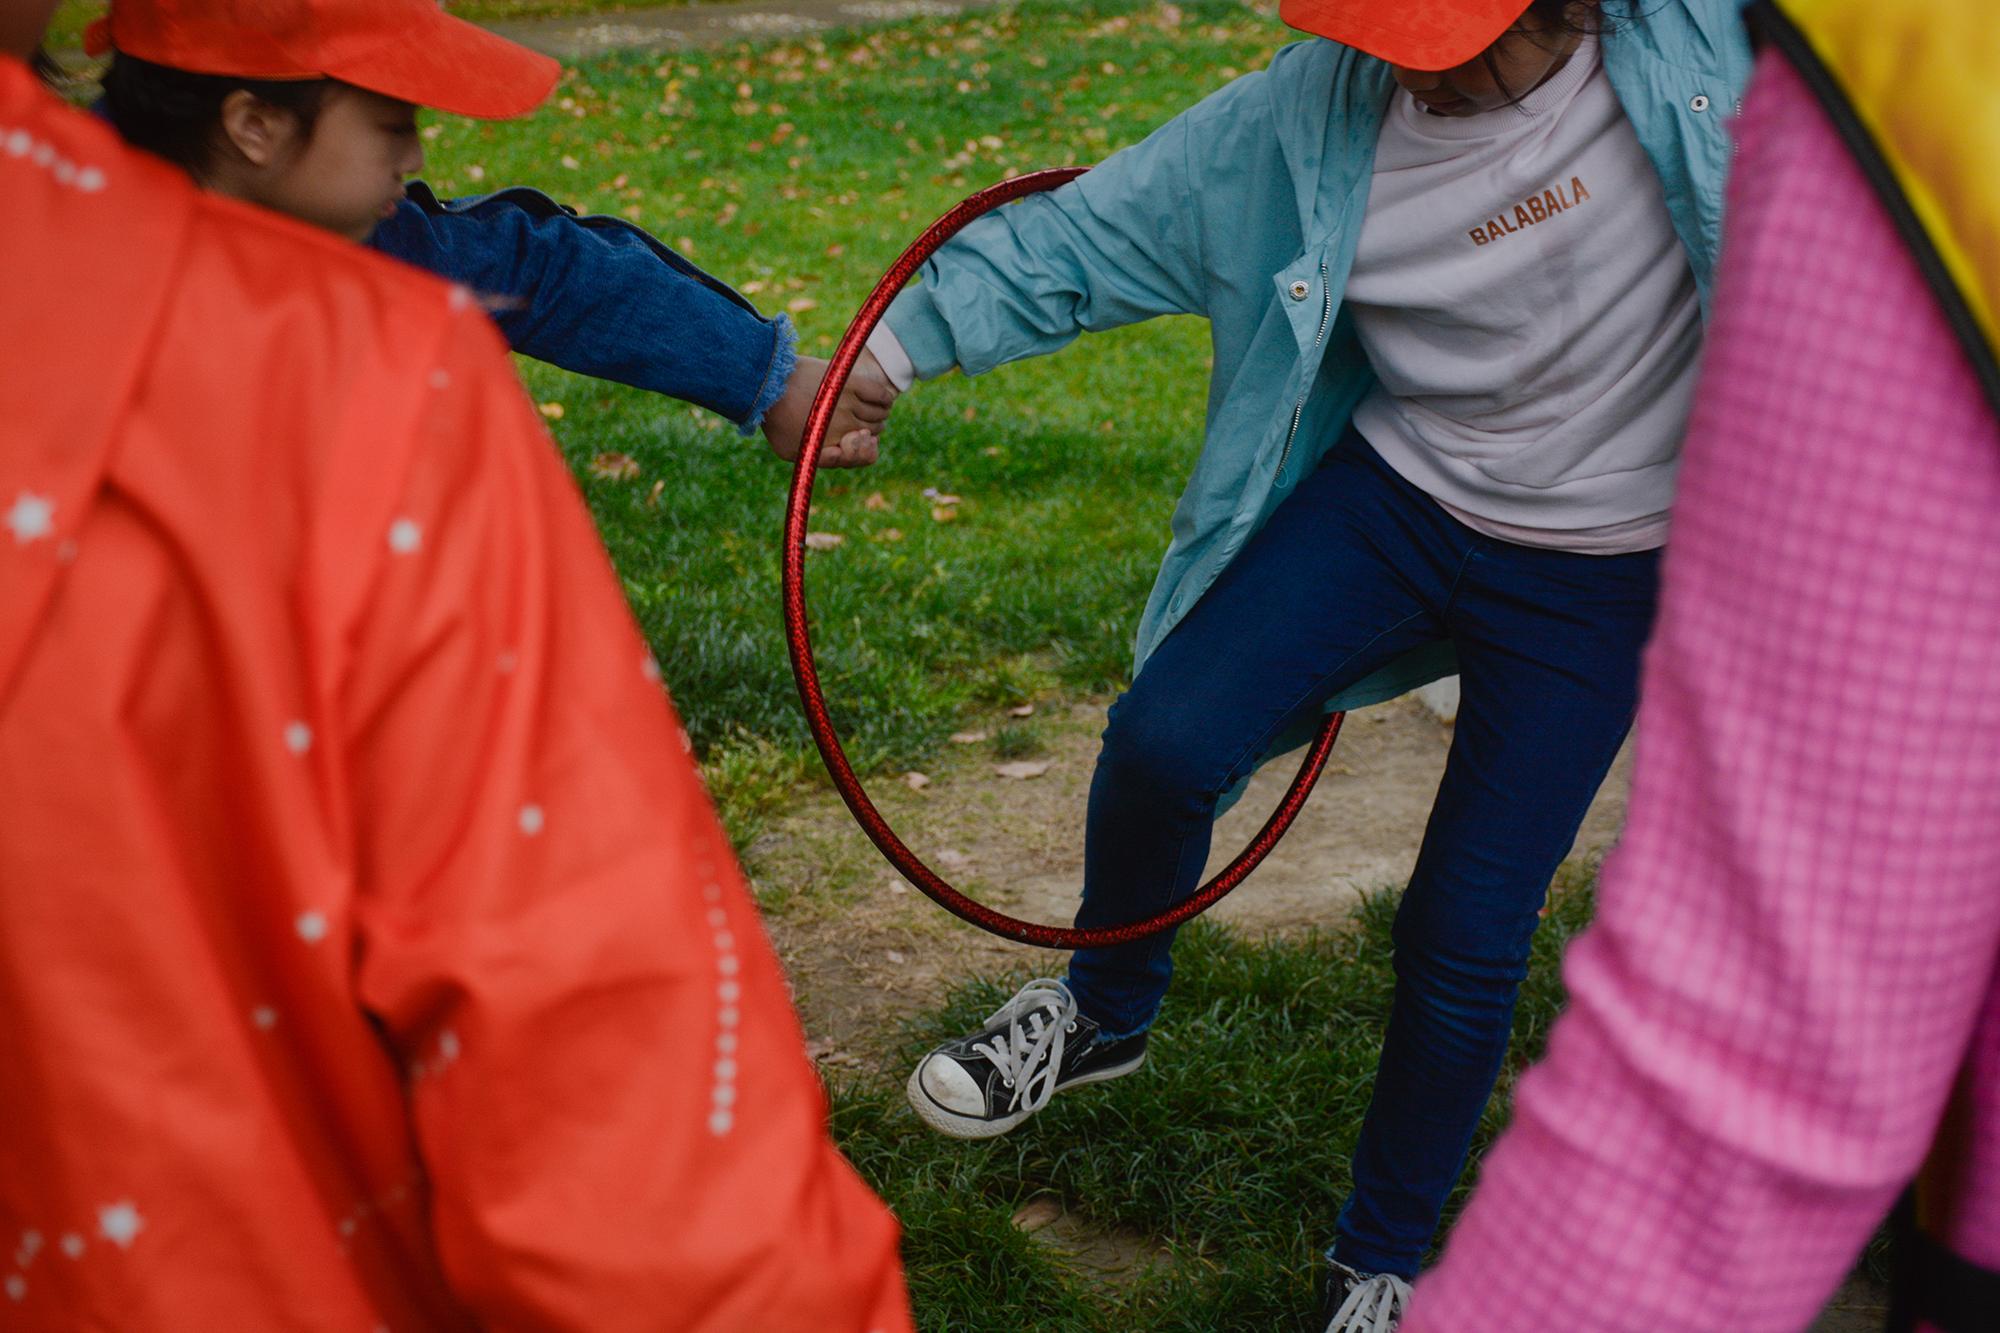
(799, 636)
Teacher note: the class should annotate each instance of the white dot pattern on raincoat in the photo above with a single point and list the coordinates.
(31, 518)
(722, 1092)
(120, 1223)
(406, 535)
(80, 177)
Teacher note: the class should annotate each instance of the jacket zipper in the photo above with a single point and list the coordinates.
(1299, 408)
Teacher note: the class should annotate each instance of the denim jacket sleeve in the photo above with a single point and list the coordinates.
(1115, 246)
(598, 296)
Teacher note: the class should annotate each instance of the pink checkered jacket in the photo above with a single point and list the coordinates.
(1791, 997)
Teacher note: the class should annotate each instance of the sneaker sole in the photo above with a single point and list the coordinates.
(953, 1125)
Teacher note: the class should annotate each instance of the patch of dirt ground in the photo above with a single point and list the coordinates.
(865, 949)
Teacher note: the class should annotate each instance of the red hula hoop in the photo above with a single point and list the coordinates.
(798, 636)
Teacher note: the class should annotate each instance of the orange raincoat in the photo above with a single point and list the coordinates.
(370, 957)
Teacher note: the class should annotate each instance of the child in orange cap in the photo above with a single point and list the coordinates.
(309, 107)
(372, 958)
(1454, 261)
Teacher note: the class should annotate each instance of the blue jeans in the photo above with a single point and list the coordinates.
(1354, 569)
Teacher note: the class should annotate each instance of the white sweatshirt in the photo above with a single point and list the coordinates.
(1531, 316)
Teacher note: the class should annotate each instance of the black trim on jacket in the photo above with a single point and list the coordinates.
(1770, 22)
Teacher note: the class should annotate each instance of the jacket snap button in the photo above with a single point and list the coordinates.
(1301, 290)
(1699, 102)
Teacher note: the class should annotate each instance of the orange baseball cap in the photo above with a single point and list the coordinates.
(1416, 34)
(410, 50)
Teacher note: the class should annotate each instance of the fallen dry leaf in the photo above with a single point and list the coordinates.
(1024, 768)
(1018, 710)
(553, 411)
(823, 541)
(897, 886)
(896, 957)
(967, 737)
(1038, 1213)
(938, 497)
(916, 781)
(991, 451)
(877, 501)
(941, 514)
(653, 496)
(614, 467)
(821, 1051)
(798, 305)
(889, 535)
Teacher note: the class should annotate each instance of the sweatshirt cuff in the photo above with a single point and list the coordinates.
(889, 354)
(784, 357)
(915, 321)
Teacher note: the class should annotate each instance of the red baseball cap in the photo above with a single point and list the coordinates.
(410, 50)
(1416, 34)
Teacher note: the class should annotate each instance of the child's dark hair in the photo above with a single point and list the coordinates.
(178, 115)
(1563, 18)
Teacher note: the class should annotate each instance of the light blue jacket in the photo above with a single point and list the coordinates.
(1246, 209)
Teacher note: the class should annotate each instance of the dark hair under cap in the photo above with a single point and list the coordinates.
(178, 115)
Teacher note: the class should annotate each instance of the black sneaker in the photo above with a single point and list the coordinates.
(1363, 1302)
(983, 1084)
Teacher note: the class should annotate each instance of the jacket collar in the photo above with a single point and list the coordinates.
(1329, 115)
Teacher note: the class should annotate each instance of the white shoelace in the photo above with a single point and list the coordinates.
(1374, 1306)
(1029, 1060)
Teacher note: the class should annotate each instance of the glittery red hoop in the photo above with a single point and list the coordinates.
(798, 636)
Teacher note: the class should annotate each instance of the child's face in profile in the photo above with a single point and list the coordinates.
(347, 174)
(1523, 58)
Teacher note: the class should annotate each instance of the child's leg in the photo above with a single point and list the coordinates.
(1352, 571)
(1549, 648)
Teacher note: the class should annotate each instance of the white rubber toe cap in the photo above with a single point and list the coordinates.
(945, 1082)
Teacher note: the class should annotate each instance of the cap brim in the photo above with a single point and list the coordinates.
(1416, 34)
(457, 67)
